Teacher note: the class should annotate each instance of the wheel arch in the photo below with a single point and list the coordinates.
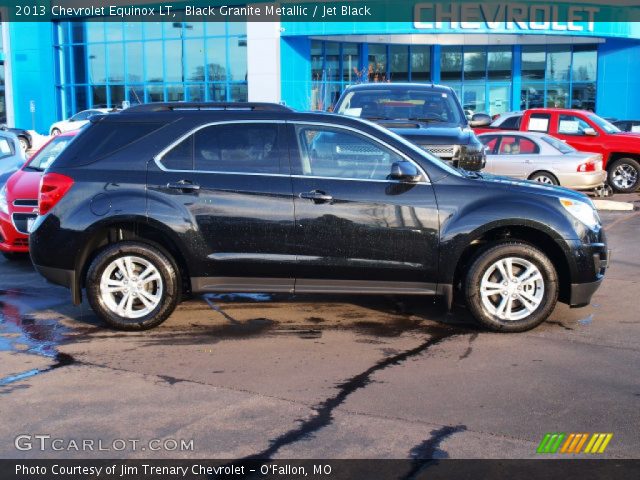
(535, 236)
(140, 229)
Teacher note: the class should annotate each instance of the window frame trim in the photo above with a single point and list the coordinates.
(157, 158)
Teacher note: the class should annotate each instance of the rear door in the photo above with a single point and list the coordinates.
(355, 229)
(232, 182)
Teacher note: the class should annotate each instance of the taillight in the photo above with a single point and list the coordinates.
(587, 167)
(53, 187)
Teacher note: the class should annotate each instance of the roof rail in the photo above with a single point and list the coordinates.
(171, 106)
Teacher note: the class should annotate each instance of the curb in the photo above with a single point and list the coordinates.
(612, 205)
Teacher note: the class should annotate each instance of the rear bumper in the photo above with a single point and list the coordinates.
(583, 181)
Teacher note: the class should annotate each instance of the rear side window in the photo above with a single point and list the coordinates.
(101, 139)
(235, 147)
(539, 122)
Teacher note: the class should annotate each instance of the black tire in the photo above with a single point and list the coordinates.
(169, 276)
(552, 179)
(55, 131)
(627, 184)
(484, 261)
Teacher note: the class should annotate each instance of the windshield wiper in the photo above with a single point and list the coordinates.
(426, 120)
(34, 169)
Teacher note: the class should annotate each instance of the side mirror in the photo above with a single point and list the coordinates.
(590, 132)
(480, 120)
(405, 172)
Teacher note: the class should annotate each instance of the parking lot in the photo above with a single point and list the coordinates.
(317, 377)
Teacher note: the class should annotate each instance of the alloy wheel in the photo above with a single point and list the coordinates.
(131, 287)
(624, 176)
(512, 289)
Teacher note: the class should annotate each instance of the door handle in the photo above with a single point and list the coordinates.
(317, 196)
(184, 185)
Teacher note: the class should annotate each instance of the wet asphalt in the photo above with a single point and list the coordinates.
(276, 376)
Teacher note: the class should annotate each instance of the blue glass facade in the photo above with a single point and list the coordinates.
(61, 68)
(102, 64)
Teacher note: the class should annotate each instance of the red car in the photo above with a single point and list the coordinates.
(586, 132)
(19, 197)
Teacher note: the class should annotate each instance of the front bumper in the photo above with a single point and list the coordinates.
(10, 239)
(581, 293)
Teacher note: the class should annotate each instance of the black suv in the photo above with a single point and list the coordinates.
(428, 115)
(163, 200)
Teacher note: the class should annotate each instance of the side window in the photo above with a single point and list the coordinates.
(238, 147)
(80, 116)
(515, 145)
(511, 123)
(5, 147)
(490, 142)
(539, 122)
(572, 125)
(180, 157)
(336, 153)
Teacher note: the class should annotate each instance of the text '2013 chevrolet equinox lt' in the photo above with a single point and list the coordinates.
(162, 200)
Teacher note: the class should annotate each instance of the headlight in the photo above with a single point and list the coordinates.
(4, 208)
(583, 211)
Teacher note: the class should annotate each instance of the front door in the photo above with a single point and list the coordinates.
(232, 182)
(354, 226)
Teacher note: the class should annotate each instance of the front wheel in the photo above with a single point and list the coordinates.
(624, 175)
(511, 287)
(132, 286)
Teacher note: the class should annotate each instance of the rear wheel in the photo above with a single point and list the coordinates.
(547, 178)
(624, 175)
(133, 286)
(511, 287)
(55, 132)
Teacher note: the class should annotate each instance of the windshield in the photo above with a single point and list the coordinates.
(603, 124)
(403, 104)
(558, 144)
(45, 157)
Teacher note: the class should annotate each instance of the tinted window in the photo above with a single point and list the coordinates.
(539, 122)
(180, 157)
(403, 103)
(242, 147)
(511, 123)
(45, 157)
(100, 139)
(514, 145)
(326, 152)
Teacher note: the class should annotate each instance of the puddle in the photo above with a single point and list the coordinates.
(19, 332)
(586, 320)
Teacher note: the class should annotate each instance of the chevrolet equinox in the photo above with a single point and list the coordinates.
(162, 200)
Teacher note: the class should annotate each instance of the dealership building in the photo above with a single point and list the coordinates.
(51, 70)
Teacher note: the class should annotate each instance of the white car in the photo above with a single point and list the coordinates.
(77, 121)
(542, 158)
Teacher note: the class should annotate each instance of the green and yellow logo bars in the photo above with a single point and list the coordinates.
(573, 443)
